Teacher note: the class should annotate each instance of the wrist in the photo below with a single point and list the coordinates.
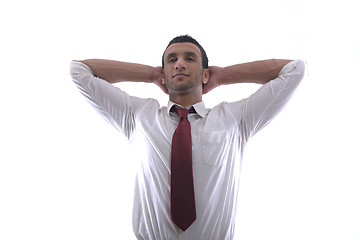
(225, 76)
(156, 74)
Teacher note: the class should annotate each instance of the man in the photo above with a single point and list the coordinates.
(218, 135)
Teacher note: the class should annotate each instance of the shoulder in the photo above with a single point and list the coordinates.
(228, 107)
(227, 111)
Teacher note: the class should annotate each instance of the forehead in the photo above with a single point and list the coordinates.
(181, 48)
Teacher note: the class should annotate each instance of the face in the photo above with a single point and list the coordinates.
(183, 69)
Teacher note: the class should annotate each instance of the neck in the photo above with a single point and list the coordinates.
(185, 99)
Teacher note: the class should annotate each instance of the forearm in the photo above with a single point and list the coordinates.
(254, 72)
(116, 71)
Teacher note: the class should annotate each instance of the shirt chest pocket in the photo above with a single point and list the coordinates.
(212, 147)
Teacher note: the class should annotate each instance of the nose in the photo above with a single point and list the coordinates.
(180, 64)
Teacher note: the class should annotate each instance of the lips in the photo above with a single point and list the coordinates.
(181, 75)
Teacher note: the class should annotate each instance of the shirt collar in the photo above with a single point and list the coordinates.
(199, 108)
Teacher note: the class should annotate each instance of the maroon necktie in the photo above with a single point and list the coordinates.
(183, 212)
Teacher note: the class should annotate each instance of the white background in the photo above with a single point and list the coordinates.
(65, 173)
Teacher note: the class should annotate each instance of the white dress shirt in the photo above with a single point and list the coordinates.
(218, 139)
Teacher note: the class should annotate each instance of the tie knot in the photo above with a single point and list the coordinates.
(183, 112)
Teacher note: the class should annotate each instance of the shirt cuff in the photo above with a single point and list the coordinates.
(290, 66)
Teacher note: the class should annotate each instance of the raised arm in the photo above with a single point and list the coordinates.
(261, 107)
(116, 71)
(259, 72)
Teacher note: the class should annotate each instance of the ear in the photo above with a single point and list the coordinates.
(162, 77)
(206, 75)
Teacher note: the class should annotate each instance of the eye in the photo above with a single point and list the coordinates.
(191, 59)
(171, 60)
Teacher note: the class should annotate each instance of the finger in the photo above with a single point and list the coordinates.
(164, 88)
(206, 88)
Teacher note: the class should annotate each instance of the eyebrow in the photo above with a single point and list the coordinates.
(187, 53)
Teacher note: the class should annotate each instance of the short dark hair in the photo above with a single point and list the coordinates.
(188, 38)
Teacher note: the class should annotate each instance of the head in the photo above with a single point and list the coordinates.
(185, 70)
(187, 38)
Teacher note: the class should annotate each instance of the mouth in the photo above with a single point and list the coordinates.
(181, 75)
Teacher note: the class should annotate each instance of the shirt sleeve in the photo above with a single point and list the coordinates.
(116, 106)
(260, 108)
